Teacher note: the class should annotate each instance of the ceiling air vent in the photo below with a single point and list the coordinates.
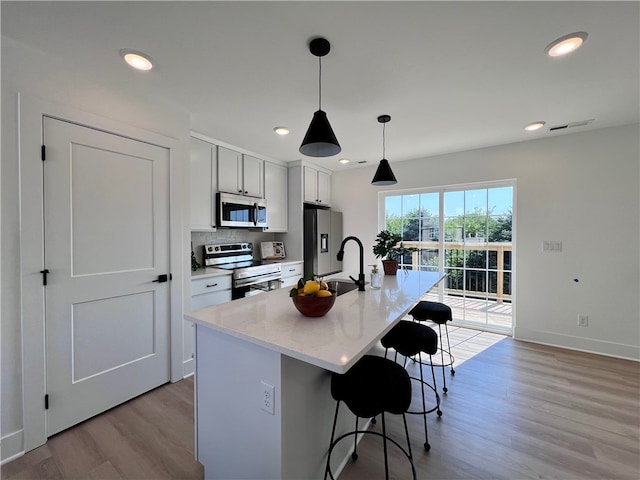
(581, 123)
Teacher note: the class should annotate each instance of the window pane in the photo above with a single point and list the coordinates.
(501, 200)
(411, 229)
(453, 258)
(429, 258)
(475, 258)
(410, 205)
(455, 279)
(493, 259)
(475, 202)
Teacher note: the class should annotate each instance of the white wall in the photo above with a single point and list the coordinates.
(29, 71)
(581, 189)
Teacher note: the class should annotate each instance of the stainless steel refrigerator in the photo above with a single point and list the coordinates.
(322, 238)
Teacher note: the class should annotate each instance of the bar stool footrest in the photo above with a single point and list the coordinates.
(367, 432)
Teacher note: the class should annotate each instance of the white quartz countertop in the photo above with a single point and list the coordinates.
(334, 342)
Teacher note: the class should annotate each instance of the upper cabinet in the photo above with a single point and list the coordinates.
(240, 174)
(275, 192)
(317, 188)
(203, 185)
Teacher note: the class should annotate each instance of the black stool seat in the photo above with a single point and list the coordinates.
(410, 339)
(440, 314)
(373, 386)
(435, 311)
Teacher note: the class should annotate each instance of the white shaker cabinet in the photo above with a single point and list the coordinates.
(316, 186)
(253, 176)
(291, 273)
(206, 290)
(240, 174)
(203, 185)
(275, 192)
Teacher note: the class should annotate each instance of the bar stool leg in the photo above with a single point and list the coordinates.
(446, 329)
(333, 432)
(435, 387)
(427, 447)
(354, 455)
(384, 443)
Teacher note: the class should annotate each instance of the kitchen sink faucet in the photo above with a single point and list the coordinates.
(340, 256)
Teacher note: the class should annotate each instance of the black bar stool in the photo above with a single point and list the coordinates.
(440, 314)
(410, 339)
(373, 386)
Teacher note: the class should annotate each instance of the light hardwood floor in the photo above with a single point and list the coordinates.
(514, 411)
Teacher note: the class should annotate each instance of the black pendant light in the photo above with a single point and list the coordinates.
(320, 141)
(384, 175)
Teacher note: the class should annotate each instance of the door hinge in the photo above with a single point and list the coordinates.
(44, 273)
(43, 155)
(46, 401)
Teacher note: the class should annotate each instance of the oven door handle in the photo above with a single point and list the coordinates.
(243, 282)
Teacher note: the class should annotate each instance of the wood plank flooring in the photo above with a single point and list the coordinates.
(514, 410)
(148, 438)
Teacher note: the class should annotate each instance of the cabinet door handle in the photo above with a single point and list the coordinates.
(212, 285)
(292, 269)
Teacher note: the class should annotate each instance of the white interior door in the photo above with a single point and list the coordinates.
(106, 241)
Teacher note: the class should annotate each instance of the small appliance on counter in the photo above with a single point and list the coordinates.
(272, 250)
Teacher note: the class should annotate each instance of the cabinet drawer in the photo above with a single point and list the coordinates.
(210, 284)
(292, 270)
(208, 299)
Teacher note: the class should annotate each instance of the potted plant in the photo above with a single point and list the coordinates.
(389, 247)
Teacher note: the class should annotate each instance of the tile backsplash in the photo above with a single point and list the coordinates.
(228, 235)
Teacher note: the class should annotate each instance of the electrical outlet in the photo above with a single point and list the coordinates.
(267, 398)
(583, 320)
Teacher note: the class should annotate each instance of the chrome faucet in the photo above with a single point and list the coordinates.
(340, 256)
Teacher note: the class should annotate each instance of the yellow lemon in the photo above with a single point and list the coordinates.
(323, 285)
(323, 293)
(311, 287)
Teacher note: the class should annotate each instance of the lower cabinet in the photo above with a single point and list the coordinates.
(291, 273)
(205, 291)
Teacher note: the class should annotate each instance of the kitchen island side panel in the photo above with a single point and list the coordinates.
(235, 437)
(308, 410)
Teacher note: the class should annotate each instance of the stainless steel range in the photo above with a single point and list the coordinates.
(250, 276)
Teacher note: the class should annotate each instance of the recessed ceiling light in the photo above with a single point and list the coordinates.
(344, 160)
(532, 127)
(566, 44)
(137, 60)
(281, 130)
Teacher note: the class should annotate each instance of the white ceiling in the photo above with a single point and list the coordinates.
(453, 75)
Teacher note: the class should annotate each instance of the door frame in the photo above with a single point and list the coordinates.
(31, 111)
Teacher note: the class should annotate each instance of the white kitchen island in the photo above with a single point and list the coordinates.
(245, 346)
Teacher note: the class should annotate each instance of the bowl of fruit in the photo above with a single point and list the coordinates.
(312, 298)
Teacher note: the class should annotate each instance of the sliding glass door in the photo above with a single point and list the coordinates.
(468, 233)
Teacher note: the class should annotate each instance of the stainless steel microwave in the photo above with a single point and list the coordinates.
(240, 211)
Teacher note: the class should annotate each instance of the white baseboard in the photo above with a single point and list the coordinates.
(11, 446)
(188, 367)
(581, 344)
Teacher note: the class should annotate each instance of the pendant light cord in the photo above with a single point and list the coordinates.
(384, 126)
(319, 83)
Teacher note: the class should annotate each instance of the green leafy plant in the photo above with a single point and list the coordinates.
(389, 247)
